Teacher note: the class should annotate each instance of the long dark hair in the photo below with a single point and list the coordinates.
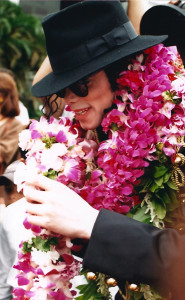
(10, 105)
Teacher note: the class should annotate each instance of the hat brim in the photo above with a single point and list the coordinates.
(52, 83)
(166, 19)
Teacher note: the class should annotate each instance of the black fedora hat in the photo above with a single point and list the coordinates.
(166, 19)
(84, 38)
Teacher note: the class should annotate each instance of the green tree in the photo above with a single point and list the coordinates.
(22, 46)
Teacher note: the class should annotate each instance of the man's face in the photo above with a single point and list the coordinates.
(89, 110)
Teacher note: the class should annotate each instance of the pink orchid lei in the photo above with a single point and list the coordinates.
(143, 132)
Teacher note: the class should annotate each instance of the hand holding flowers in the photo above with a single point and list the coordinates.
(58, 208)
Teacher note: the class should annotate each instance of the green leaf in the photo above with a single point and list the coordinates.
(140, 215)
(26, 247)
(164, 197)
(80, 287)
(172, 185)
(154, 187)
(53, 241)
(89, 291)
(88, 175)
(166, 177)
(44, 244)
(159, 181)
(5, 27)
(172, 195)
(135, 295)
(160, 171)
(70, 148)
(52, 174)
(41, 244)
(144, 185)
(114, 126)
(160, 209)
(49, 141)
(173, 200)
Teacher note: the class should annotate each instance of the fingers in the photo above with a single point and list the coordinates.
(36, 209)
(42, 182)
(33, 195)
(38, 180)
(38, 215)
(37, 220)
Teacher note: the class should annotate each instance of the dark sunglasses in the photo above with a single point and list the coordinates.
(79, 88)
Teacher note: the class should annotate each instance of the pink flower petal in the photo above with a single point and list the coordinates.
(68, 258)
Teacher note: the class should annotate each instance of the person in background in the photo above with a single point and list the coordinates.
(158, 24)
(166, 19)
(135, 11)
(23, 116)
(10, 127)
(7, 180)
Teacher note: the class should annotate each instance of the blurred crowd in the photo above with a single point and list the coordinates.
(13, 119)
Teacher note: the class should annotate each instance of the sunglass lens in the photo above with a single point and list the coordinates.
(80, 89)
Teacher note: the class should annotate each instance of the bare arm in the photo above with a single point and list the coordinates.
(44, 69)
(135, 11)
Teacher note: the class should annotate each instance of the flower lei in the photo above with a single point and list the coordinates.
(130, 172)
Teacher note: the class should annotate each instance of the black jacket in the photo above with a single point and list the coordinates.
(139, 253)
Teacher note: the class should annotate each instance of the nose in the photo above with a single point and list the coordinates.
(70, 97)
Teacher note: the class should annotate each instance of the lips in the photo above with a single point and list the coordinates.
(81, 113)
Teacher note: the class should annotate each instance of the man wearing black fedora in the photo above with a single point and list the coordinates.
(85, 44)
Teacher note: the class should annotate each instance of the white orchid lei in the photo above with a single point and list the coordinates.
(130, 172)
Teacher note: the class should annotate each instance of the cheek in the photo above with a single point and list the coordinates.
(108, 99)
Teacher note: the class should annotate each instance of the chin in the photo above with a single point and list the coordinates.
(89, 126)
(86, 127)
(91, 123)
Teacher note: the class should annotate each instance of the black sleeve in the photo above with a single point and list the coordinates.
(140, 253)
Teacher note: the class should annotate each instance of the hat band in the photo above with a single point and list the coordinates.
(93, 48)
